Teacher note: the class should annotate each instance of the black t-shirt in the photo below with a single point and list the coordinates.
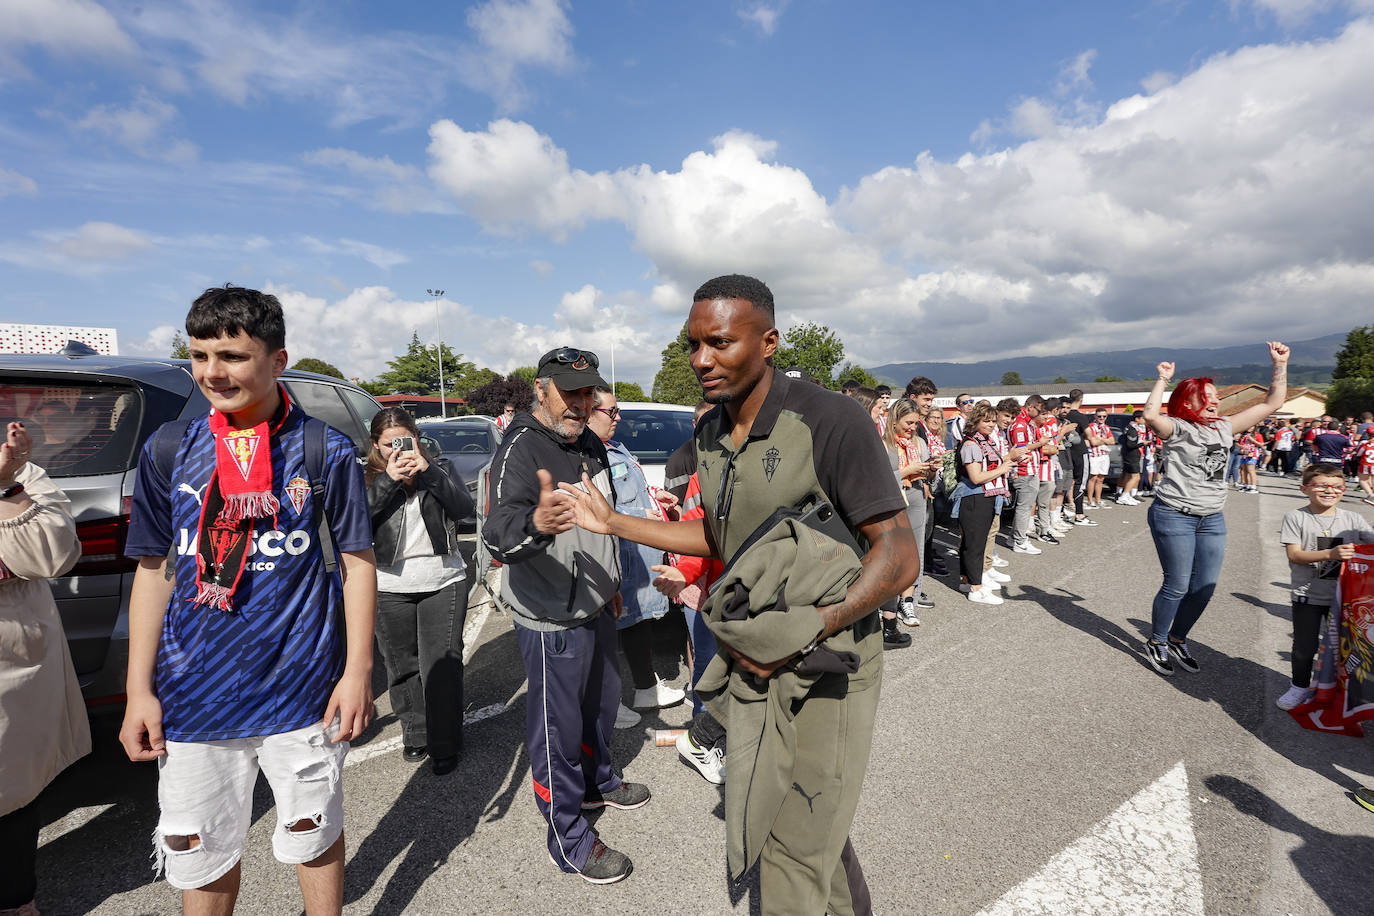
(1082, 421)
(677, 473)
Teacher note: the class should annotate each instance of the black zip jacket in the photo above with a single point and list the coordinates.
(444, 502)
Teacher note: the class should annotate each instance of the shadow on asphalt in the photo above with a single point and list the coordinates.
(1239, 686)
(1342, 892)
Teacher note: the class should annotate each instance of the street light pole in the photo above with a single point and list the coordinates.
(439, 332)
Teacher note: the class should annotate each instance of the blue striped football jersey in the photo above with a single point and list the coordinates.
(268, 665)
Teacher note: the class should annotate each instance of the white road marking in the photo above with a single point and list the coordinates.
(1142, 858)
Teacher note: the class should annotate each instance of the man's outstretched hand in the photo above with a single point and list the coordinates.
(554, 513)
(590, 509)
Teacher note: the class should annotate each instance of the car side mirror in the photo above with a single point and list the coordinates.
(432, 446)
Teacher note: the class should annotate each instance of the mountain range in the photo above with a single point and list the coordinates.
(1312, 363)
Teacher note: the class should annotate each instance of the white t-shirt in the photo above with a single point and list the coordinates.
(417, 569)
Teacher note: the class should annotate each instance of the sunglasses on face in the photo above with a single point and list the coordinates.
(965, 403)
(578, 359)
(612, 412)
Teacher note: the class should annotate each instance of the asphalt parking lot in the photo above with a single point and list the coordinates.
(1026, 761)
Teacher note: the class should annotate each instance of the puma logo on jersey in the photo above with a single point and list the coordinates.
(198, 494)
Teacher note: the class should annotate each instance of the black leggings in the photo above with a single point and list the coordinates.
(1080, 479)
(975, 517)
(19, 855)
(1307, 631)
(637, 644)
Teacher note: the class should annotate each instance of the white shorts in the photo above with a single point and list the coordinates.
(1099, 466)
(205, 789)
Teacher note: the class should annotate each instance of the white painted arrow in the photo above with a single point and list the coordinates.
(1140, 859)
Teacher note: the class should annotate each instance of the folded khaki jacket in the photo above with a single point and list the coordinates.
(764, 606)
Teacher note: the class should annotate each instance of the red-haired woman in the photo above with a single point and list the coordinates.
(1186, 517)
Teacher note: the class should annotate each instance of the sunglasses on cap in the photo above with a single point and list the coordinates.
(578, 359)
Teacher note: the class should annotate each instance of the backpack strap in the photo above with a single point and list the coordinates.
(166, 444)
(316, 434)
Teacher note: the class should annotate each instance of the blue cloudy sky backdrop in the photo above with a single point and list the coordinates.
(932, 180)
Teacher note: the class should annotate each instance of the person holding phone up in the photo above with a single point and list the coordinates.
(416, 502)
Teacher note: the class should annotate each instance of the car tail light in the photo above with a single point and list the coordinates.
(102, 547)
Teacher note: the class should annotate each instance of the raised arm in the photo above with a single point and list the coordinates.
(1278, 392)
(1162, 425)
(592, 512)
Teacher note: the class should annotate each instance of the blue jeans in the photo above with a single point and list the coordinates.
(1233, 467)
(703, 650)
(1190, 549)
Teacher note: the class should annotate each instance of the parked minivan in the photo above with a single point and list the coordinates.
(89, 415)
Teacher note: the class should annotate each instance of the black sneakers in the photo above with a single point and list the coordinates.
(892, 637)
(1158, 657)
(414, 753)
(605, 865)
(1179, 650)
(630, 795)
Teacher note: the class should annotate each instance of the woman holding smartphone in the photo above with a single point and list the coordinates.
(416, 503)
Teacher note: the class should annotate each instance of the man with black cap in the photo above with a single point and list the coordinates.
(561, 585)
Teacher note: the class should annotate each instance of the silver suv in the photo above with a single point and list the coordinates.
(89, 416)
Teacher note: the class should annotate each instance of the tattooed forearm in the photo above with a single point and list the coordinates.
(890, 565)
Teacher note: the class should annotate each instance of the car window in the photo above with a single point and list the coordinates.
(77, 429)
(456, 439)
(362, 405)
(653, 435)
(323, 401)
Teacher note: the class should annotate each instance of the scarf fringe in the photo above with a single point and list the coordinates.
(238, 506)
(212, 595)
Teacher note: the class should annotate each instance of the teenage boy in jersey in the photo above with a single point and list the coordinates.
(771, 443)
(248, 654)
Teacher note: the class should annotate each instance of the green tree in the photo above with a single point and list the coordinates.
(1012, 378)
(319, 366)
(1060, 381)
(629, 391)
(857, 373)
(1109, 378)
(812, 347)
(376, 389)
(180, 348)
(470, 380)
(416, 371)
(675, 382)
(1356, 358)
(527, 373)
(1350, 397)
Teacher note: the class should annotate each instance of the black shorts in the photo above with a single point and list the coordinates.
(1130, 462)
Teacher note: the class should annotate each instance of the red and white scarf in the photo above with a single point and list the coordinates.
(241, 490)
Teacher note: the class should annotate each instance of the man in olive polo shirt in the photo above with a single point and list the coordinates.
(773, 442)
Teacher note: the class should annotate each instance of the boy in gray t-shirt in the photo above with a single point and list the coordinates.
(1318, 537)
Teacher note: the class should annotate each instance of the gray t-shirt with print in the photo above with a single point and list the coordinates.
(1195, 481)
(1316, 582)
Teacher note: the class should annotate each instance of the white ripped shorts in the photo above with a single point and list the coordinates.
(205, 789)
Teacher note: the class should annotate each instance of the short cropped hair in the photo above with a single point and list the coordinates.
(1035, 401)
(1009, 405)
(224, 311)
(884, 390)
(738, 286)
(1075, 395)
(920, 385)
(1313, 471)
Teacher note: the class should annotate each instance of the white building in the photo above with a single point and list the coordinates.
(49, 338)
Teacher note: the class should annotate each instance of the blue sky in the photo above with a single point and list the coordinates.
(933, 181)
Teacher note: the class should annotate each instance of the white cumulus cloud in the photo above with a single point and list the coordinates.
(512, 36)
(14, 183)
(140, 127)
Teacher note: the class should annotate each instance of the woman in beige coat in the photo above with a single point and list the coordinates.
(43, 725)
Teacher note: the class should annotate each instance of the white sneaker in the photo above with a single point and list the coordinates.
(984, 596)
(1295, 696)
(1061, 527)
(998, 562)
(988, 584)
(710, 764)
(658, 696)
(626, 717)
(1027, 547)
(996, 575)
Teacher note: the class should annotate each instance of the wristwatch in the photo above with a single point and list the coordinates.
(13, 489)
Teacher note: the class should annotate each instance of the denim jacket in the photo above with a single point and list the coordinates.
(642, 600)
